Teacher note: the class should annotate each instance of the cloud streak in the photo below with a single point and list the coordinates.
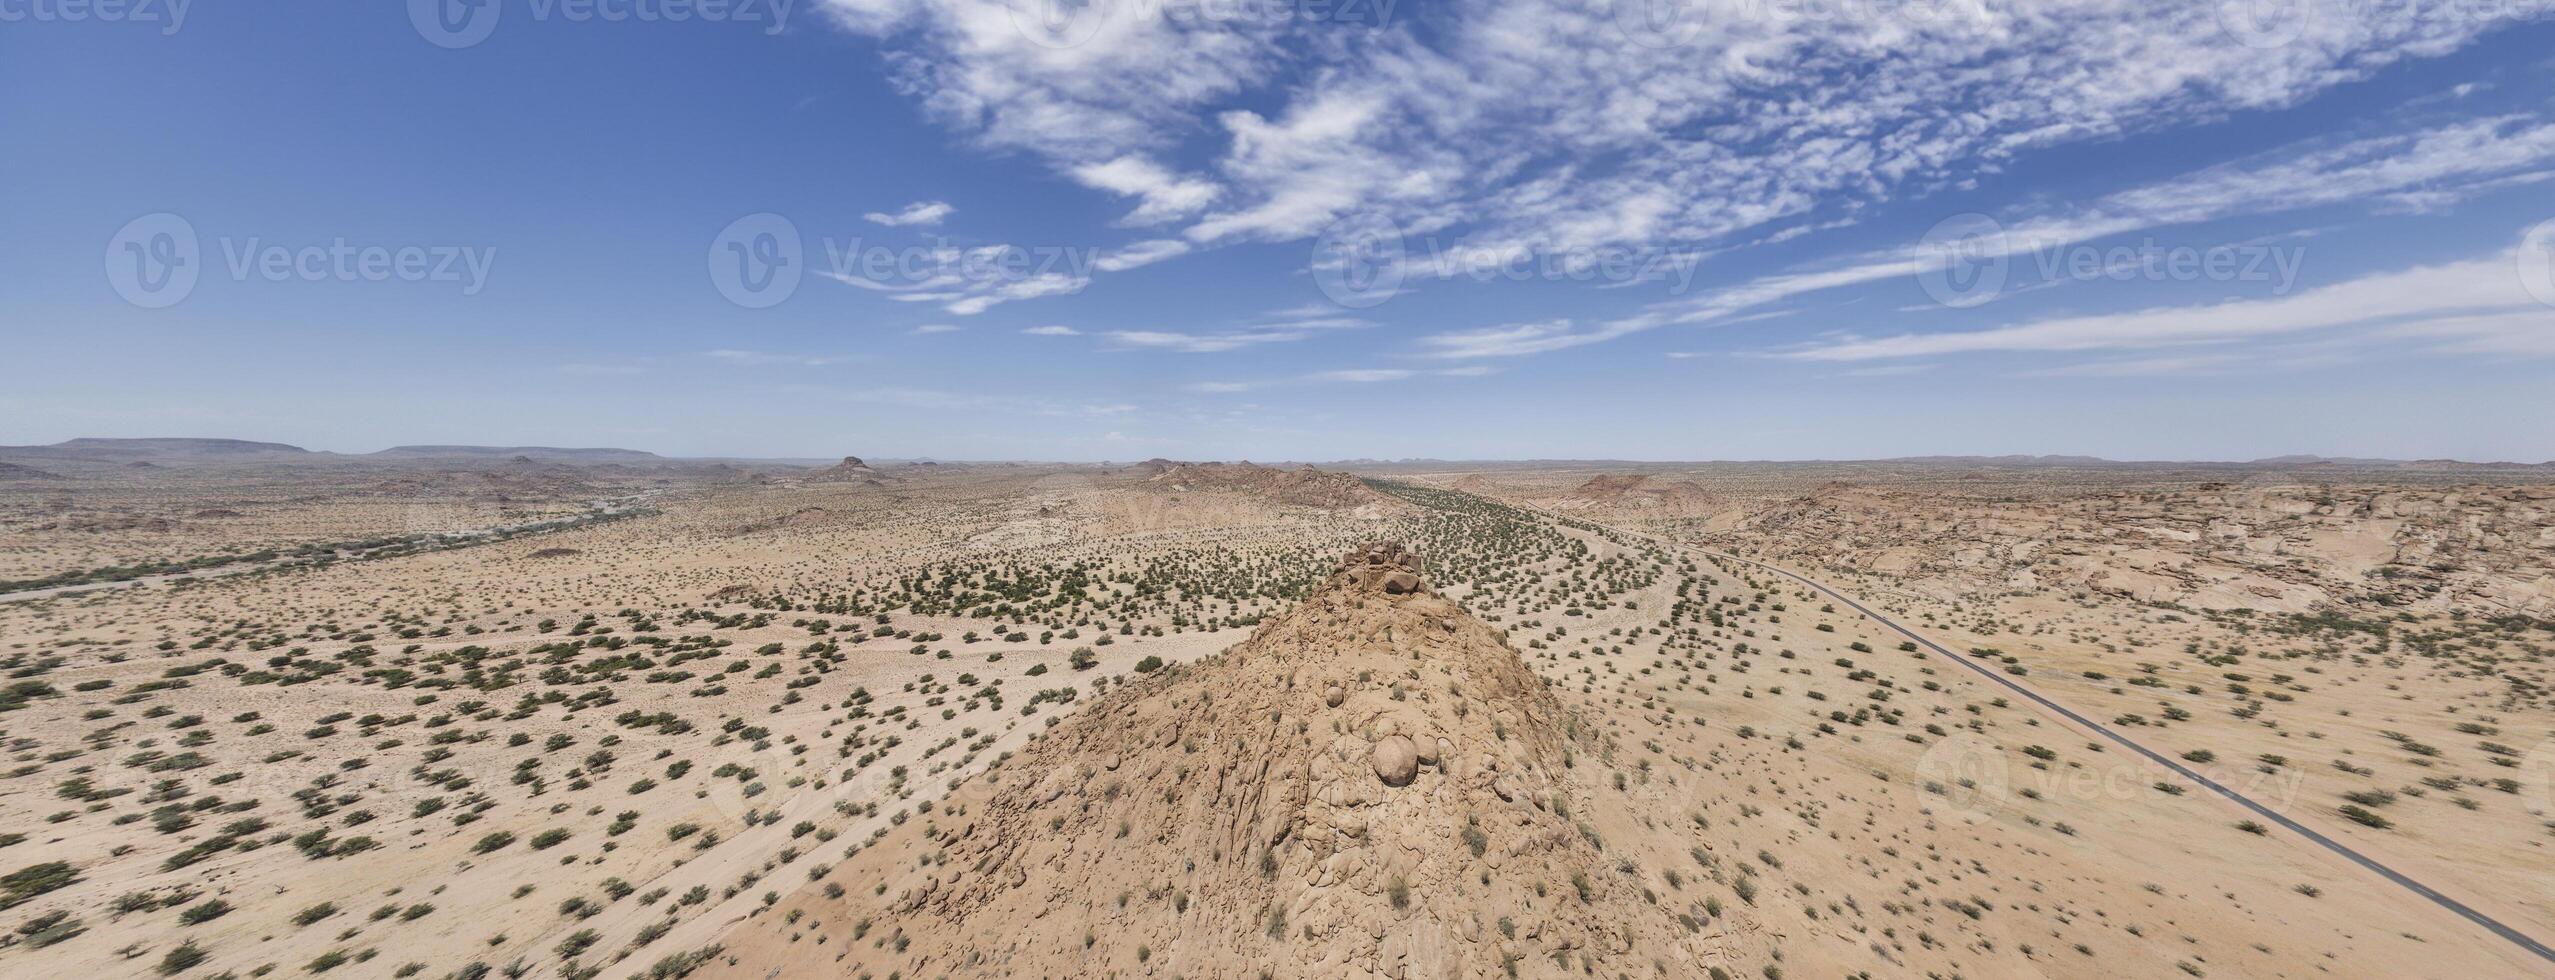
(917, 214)
(2411, 302)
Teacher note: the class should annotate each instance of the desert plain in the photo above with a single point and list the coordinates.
(462, 712)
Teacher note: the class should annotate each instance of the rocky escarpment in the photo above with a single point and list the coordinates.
(1373, 785)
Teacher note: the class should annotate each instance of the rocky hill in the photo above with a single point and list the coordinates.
(1372, 785)
(1635, 495)
(1301, 487)
(851, 470)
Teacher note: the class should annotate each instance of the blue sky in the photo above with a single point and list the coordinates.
(1309, 229)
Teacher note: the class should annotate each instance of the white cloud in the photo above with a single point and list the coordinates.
(1361, 375)
(2444, 163)
(1558, 125)
(2518, 333)
(933, 328)
(1886, 371)
(1052, 330)
(1142, 253)
(1519, 339)
(1340, 376)
(1164, 195)
(1190, 343)
(2438, 165)
(919, 213)
(964, 281)
(2137, 367)
(2411, 300)
(1031, 287)
(1286, 326)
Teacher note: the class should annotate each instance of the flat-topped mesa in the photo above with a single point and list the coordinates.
(1383, 566)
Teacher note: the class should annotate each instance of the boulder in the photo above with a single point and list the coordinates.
(1396, 761)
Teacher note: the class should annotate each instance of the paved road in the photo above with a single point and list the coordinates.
(2516, 937)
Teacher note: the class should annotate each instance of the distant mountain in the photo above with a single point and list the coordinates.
(2007, 460)
(509, 452)
(88, 448)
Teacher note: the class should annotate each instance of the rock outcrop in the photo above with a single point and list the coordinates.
(851, 470)
(1372, 785)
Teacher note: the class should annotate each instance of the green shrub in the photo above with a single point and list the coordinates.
(177, 961)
